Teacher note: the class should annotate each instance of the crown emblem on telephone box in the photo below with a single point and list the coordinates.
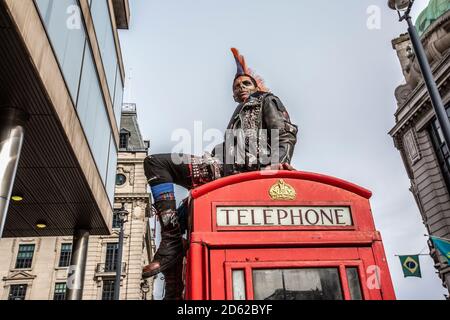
(282, 191)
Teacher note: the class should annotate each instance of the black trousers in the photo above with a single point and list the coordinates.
(169, 168)
(176, 169)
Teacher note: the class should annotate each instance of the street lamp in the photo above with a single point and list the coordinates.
(145, 288)
(403, 8)
(123, 217)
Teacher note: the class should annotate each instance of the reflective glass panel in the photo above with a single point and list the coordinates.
(297, 284)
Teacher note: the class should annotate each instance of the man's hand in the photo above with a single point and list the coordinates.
(288, 167)
(280, 166)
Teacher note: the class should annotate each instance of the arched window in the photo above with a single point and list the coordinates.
(124, 139)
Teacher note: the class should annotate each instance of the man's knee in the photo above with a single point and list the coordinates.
(154, 159)
(151, 165)
(157, 168)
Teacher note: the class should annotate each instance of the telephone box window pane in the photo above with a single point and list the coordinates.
(354, 284)
(297, 284)
(239, 285)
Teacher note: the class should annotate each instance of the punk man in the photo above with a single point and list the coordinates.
(259, 136)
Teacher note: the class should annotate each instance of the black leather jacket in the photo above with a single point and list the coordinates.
(272, 115)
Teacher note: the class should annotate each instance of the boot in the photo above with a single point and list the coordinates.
(170, 250)
(174, 285)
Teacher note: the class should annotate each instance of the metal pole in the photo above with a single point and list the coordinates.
(119, 261)
(12, 130)
(435, 96)
(75, 278)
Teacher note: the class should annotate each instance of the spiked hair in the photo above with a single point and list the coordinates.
(243, 70)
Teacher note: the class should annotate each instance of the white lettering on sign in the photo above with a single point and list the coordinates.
(283, 216)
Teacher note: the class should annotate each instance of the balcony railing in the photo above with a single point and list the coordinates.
(103, 268)
(132, 149)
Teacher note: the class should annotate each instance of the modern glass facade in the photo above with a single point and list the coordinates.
(63, 22)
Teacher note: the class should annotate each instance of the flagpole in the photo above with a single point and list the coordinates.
(426, 235)
(404, 255)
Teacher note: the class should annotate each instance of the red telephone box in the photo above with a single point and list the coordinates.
(285, 236)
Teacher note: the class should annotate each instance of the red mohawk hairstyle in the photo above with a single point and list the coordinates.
(243, 70)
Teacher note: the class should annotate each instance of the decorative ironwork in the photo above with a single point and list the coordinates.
(107, 268)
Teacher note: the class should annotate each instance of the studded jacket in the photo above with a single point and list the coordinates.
(260, 111)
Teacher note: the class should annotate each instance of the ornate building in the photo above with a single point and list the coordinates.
(36, 268)
(417, 134)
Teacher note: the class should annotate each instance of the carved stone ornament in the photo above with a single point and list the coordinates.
(411, 147)
(402, 93)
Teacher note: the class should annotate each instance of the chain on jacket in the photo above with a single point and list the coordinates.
(248, 142)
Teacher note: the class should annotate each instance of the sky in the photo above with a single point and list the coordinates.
(330, 62)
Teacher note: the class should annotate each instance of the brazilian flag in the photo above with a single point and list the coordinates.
(411, 266)
(443, 246)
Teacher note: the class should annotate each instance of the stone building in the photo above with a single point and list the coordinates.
(417, 134)
(37, 268)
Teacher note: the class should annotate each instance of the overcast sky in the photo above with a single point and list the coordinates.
(331, 63)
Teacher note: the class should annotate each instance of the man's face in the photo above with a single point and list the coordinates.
(243, 88)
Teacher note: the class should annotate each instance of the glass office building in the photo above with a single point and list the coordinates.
(74, 53)
(61, 89)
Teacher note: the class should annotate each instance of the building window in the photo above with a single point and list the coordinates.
(441, 149)
(116, 219)
(25, 256)
(124, 138)
(108, 290)
(66, 254)
(120, 180)
(112, 249)
(17, 292)
(60, 291)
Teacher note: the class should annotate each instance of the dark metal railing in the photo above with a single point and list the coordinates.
(109, 267)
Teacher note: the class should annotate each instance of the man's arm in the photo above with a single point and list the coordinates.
(218, 151)
(276, 117)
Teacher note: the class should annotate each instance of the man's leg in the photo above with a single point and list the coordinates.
(174, 285)
(162, 173)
